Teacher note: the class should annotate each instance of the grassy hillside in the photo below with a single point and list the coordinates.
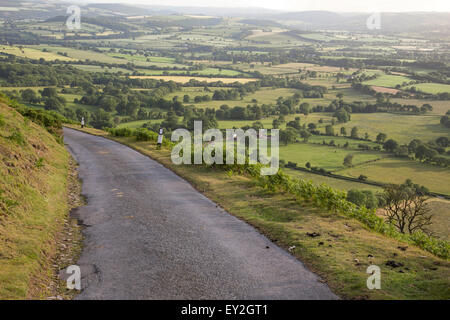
(33, 205)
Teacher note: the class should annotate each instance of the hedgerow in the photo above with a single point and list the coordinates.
(141, 134)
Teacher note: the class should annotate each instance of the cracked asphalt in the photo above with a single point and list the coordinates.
(150, 235)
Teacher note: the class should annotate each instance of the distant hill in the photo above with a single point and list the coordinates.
(390, 22)
(119, 9)
(305, 20)
(99, 21)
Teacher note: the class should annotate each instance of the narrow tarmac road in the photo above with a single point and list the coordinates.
(150, 235)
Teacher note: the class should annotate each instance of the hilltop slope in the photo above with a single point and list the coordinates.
(33, 204)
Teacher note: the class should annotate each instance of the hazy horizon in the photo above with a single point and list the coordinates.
(294, 5)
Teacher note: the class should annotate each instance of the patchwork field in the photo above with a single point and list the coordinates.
(162, 62)
(34, 54)
(184, 79)
(119, 42)
(76, 54)
(194, 73)
(91, 68)
(341, 141)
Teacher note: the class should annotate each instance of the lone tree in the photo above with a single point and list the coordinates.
(29, 96)
(381, 137)
(342, 115)
(288, 136)
(406, 207)
(390, 145)
(348, 160)
(304, 108)
(305, 135)
(329, 130)
(354, 133)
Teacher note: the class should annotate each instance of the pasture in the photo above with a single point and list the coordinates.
(137, 124)
(76, 54)
(402, 128)
(328, 158)
(92, 68)
(395, 170)
(311, 67)
(387, 80)
(267, 122)
(140, 60)
(341, 141)
(433, 88)
(263, 96)
(440, 209)
(337, 184)
(265, 68)
(35, 54)
(185, 79)
(219, 72)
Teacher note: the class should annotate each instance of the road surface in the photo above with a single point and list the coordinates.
(150, 235)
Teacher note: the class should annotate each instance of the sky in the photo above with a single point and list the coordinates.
(301, 5)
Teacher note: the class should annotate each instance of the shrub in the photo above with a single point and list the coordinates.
(123, 132)
(143, 134)
(348, 160)
(362, 198)
(363, 146)
(291, 164)
(356, 197)
(371, 201)
(362, 177)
